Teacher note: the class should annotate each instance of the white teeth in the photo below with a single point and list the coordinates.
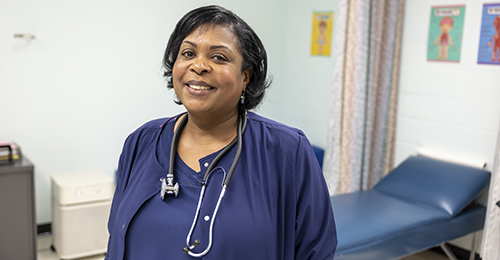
(199, 87)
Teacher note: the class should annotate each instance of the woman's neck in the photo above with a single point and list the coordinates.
(202, 136)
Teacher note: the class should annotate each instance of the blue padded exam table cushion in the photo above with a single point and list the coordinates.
(420, 204)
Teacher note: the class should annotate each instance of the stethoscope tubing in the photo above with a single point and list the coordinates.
(188, 238)
(239, 133)
(239, 139)
(242, 122)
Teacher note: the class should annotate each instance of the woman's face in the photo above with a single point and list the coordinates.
(207, 74)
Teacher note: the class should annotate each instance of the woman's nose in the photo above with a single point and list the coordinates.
(200, 65)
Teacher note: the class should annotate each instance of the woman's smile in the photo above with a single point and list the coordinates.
(198, 88)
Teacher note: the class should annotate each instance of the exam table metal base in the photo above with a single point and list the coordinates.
(452, 256)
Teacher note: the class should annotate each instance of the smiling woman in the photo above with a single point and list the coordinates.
(277, 206)
(207, 75)
(247, 43)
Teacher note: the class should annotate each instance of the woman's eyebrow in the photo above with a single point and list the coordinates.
(220, 47)
(211, 47)
(191, 43)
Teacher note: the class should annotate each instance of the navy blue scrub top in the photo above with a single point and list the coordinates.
(276, 206)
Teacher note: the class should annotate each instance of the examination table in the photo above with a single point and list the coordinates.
(421, 204)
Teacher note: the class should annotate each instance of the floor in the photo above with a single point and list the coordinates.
(426, 255)
(44, 243)
(45, 253)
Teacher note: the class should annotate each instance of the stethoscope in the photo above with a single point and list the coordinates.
(168, 187)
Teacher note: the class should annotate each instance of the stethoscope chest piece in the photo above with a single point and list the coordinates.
(168, 187)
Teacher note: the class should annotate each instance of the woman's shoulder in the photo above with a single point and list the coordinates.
(274, 128)
(272, 124)
(154, 124)
(150, 129)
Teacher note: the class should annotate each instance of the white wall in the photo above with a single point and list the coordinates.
(449, 109)
(306, 90)
(93, 74)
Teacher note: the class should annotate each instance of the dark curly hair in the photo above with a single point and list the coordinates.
(249, 45)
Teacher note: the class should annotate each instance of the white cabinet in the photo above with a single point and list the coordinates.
(80, 211)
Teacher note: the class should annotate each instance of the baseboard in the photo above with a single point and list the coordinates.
(460, 253)
(42, 229)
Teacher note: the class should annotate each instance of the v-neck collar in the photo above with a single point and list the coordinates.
(182, 172)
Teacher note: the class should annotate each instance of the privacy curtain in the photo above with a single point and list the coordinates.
(491, 232)
(360, 145)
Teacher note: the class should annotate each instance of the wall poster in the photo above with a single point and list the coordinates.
(445, 33)
(489, 41)
(322, 28)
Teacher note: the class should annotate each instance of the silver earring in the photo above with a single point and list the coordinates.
(242, 98)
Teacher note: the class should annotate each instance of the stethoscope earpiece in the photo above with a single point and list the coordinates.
(188, 249)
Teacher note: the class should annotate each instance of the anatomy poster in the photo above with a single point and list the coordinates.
(321, 39)
(445, 33)
(489, 41)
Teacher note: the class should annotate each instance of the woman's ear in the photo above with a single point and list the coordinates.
(246, 79)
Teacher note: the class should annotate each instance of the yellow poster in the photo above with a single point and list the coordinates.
(321, 39)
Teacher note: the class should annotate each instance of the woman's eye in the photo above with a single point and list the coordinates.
(188, 54)
(219, 58)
